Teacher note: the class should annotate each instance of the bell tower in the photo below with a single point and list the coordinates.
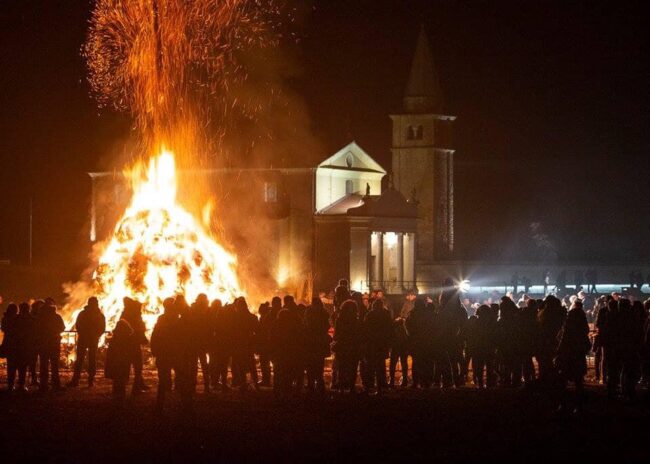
(423, 165)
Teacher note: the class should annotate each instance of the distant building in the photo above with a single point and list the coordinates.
(307, 227)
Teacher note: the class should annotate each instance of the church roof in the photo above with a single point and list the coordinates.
(391, 204)
(352, 157)
(423, 90)
(342, 205)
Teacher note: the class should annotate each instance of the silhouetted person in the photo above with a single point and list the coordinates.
(423, 334)
(347, 344)
(165, 348)
(399, 352)
(245, 326)
(645, 349)
(453, 316)
(560, 282)
(316, 328)
(546, 280)
(90, 325)
(377, 336)
(624, 349)
(515, 283)
(367, 379)
(571, 360)
(599, 345)
(407, 306)
(341, 293)
(11, 343)
(508, 346)
(551, 320)
(202, 334)
(579, 277)
(298, 358)
(48, 332)
(119, 358)
(26, 341)
(276, 307)
(286, 343)
(221, 345)
(481, 346)
(263, 342)
(592, 280)
(528, 336)
(33, 351)
(133, 315)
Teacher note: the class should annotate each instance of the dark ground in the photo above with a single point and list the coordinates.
(451, 426)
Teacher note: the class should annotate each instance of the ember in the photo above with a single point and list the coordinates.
(169, 64)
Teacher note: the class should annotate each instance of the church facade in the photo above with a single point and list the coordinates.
(301, 229)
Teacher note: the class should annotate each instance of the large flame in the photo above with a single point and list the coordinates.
(159, 250)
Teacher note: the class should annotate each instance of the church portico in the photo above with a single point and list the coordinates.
(373, 243)
(391, 261)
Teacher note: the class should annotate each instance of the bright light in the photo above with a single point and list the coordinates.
(159, 250)
(391, 239)
(464, 286)
(283, 276)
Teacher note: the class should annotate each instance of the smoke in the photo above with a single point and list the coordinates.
(229, 106)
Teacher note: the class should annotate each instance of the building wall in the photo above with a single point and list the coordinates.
(331, 184)
(423, 164)
(332, 254)
(359, 238)
(413, 170)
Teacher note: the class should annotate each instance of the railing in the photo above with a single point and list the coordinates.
(391, 287)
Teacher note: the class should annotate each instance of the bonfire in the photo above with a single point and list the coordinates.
(158, 250)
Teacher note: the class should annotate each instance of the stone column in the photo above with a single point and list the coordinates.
(400, 259)
(369, 271)
(380, 258)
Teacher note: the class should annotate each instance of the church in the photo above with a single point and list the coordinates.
(301, 229)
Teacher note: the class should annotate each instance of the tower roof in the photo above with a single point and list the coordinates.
(422, 90)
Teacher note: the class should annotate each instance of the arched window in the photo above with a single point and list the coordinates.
(410, 133)
(349, 186)
(418, 132)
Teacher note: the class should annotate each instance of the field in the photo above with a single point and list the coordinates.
(406, 425)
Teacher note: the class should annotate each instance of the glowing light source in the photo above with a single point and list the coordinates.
(159, 250)
(464, 286)
(391, 239)
(283, 276)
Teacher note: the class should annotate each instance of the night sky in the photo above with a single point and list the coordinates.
(552, 102)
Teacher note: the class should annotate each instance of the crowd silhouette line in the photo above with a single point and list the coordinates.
(536, 343)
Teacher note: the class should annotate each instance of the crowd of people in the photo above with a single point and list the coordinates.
(537, 343)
